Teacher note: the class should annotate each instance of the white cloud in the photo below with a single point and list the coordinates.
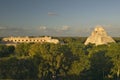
(65, 28)
(12, 31)
(3, 28)
(52, 14)
(42, 28)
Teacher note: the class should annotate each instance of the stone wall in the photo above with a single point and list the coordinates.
(30, 40)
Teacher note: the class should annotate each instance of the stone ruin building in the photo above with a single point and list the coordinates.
(99, 37)
(30, 40)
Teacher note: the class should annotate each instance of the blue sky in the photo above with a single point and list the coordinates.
(58, 17)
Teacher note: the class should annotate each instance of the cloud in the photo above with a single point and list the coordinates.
(53, 31)
(112, 30)
(12, 31)
(42, 28)
(2, 28)
(52, 14)
(65, 28)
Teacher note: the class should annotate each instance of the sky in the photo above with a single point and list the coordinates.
(58, 17)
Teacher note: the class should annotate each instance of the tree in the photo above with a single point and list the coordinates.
(55, 59)
(22, 49)
(100, 63)
(114, 54)
(14, 68)
(80, 61)
(5, 51)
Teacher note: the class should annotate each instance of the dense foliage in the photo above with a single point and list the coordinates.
(69, 60)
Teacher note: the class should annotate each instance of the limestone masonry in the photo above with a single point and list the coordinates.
(99, 37)
(30, 40)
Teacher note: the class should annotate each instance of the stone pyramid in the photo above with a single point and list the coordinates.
(99, 37)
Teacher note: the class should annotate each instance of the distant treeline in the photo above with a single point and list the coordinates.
(67, 39)
(117, 39)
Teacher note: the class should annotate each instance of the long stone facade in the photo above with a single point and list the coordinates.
(99, 37)
(30, 40)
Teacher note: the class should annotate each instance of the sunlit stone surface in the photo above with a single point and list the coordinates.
(99, 37)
